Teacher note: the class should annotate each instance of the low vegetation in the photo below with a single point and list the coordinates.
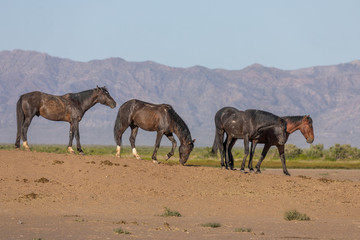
(211, 225)
(121, 231)
(338, 156)
(295, 215)
(170, 213)
(243, 230)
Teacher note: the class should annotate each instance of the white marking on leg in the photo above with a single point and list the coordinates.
(118, 148)
(70, 150)
(134, 152)
(25, 145)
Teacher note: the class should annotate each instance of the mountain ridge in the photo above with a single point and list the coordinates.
(329, 94)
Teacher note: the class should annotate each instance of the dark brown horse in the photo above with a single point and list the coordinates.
(294, 123)
(70, 107)
(151, 117)
(248, 125)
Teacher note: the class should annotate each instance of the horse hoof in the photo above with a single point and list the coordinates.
(156, 162)
(258, 172)
(71, 150)
(117, 155)
(166, 157)
(81, 153)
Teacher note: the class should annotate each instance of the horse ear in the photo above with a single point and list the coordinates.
(192, 141)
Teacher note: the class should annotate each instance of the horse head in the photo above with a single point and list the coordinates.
(185, 150)
(103, 97)
(306, 129)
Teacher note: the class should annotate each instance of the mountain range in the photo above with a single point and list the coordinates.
(329, 94)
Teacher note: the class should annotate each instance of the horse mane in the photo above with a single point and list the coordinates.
(85, 94)
(180, 125)
(295, 119)
(263, 115)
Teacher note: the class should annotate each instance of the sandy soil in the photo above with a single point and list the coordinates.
(60, 196)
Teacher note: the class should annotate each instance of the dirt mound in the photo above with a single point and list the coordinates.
(60, 196)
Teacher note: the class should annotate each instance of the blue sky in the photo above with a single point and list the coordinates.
(287, 34)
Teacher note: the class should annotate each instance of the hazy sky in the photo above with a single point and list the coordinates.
(287, 34)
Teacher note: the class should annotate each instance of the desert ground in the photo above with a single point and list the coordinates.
(62, 196)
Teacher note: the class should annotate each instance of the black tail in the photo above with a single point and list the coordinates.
(215, 146)
(117, 129)
(20, 117)
(122, 120)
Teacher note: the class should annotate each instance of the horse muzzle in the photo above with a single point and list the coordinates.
(112, 104)
(310, 140)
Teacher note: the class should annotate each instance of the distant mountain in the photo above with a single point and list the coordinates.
(329, 94)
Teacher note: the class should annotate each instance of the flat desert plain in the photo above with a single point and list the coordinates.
(62, 196)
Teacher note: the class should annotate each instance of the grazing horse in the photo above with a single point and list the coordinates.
(151, 117)
(70, 107)
(294, 123)
(248, 125)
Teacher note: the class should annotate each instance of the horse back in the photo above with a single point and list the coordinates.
(148, 116)
(261, 118)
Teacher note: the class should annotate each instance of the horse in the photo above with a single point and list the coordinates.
(70, 108)
(161, 118)
(247, 125)
(294, 123)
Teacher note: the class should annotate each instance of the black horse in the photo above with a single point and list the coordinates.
(70, 107)
(248, 125)
(151, 117)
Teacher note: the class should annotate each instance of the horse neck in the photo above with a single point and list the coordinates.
(182, 132)
(293, 124)
(87, 99)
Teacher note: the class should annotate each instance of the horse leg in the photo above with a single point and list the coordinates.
(231, 157)
(228, 151)
(24, 131)
(118, 139)
(157, 145)
(134, 130)
(263, 155)
(173, 142)
(252, 152)
(77, 136)
(281, 149)
(222, 147)
(71, 137)
(246, 152)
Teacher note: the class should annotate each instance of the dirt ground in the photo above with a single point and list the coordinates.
(63, 196)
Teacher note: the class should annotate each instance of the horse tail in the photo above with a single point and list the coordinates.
(20, 118)
(215, 145)
(122, 120)
(117, 128)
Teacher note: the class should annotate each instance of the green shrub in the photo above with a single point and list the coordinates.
(295, 215)
(121, 231)
(345, 151)
(169, 213)
(292, 151)
(212, 224)
(315, 151)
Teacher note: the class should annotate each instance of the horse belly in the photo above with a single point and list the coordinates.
(54, 110)
(147, 120)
